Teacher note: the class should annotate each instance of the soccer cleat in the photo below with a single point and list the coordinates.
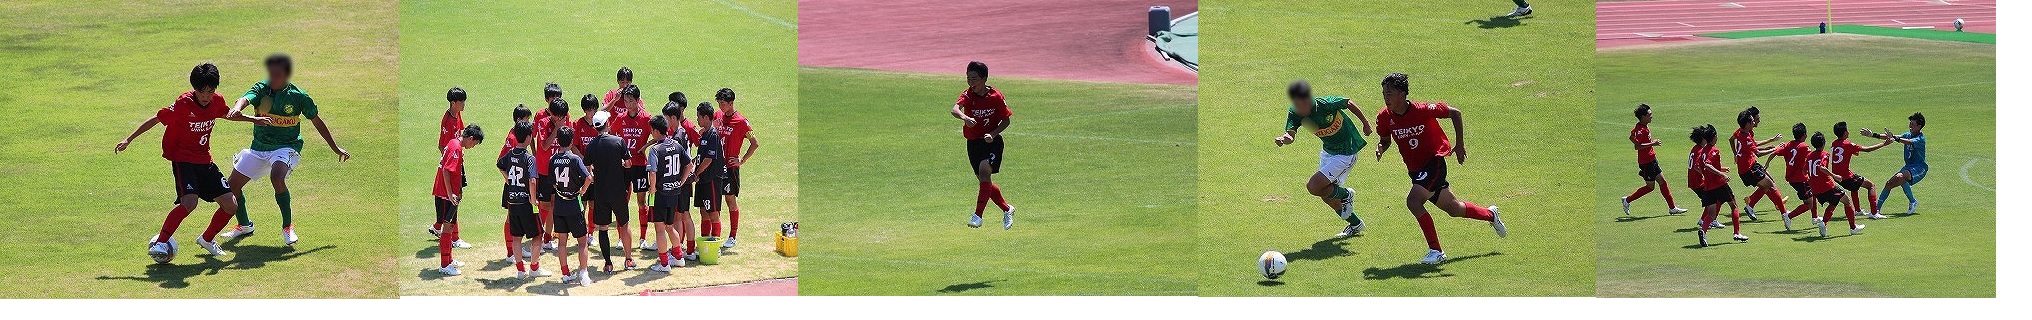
(644, 245)
(449, 270)
(1822, 225)
(1496, 221)
(1433, 257)
(659, 268)
(549, 246)
(679, 262)
(608, 268)
(159, 251)
(1008, 218)
(1912, 208)
(1352, 230)
(461, 244)
(1788, 220)
(456, 263)
(569, 278)
(522, 274)
(1751, 213)
(975, 223)
(1874, 216)
(1717, 224)
(1671, 211)
(539, 272)
(1857, 230)
(289, 236)
(1742, 238)
(729, 244)
(1521, 11)
(433, 232)
(585, 279)
(693, 256)
(239, 231)
(210, 247)
(1626, 206)
(1703, 238)
(628, 265)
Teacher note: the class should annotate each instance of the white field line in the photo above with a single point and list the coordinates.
(780, 22)
(1965, 176)
(1040, 135)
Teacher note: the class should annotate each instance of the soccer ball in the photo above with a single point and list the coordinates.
(1272, 264)
(165, 258)
(1957, 24)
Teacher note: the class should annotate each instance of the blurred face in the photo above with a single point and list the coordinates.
(1645, 119)
(277, 77)
(1912, 125)
(1756, 120)
(468, 142)
(724, 105)
(1303, 105)
(1394, 98)
(624, 83)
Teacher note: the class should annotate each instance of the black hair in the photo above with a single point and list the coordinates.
(624, 75)
(632, 92)
(455, 95)
(521, 112)
(1298, 89)
(1798, 131)
(678, 97)
(205, 75)
(673, 109)
(1841, 129)
(1819, 140)
(522, 130)
(1397, 80)
(1743, 118)
(1916, 117)
(725, 95)
(1696, 135)
(660, 125)
(1643, 110)
(977, 68)
(551, 90)
(564, 136)
(705, 111)
(279, 60)
(473, 131)
(589, 103)
(560, 108)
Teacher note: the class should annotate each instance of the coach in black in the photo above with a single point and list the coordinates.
(609, 155)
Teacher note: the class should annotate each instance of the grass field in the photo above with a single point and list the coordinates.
(1520, 84)
(1947, 250)
(88, 72)
(504, 54)
(1101, 174)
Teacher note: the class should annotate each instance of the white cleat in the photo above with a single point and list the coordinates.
(1671, 211)
(449, 270)
(1009, 218)
(433, 232)
(644, 245)
(1433, 257)
(1788, 220)
(549, 246)
(1912, 208)
(1352, 230)
(1496, 221)
(1874, 216)
(160, 251)
(289, 236)
(1703, 237)
(461, 244)
(1857, 230)
(1822, 225)
(522, 274)
(729, 244)
(569, 279)
(1626, 206)
(975, 223)
(210, 247)
(585, 279)
(1742, 238)
(539, 272)
(659, 268)
(1523, 11)
(238, 231)
(679, 262)
(456, 263)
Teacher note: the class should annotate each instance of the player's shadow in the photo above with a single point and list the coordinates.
(1322, 250)
(1815, 237)
(1498, 22)
(1419, 270)
(1639, 218)
(964, 287)
(1270, 283)
(172, 276)
(510, 284)
(1711, 243)
(644, 277)
(551, 286)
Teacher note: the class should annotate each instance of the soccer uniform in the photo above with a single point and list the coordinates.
(706, 188)
(280, 140)
(1796, 161)
(1420, 142)
(610, 184)
(1915, 158)
(668, 161)
(1843, 152)
(545, 146)
(734, 131)
(569, 174)
(520, 168)
(989, 111)
(1338, 137)
(1647, 159)
(1744, 143)
(634, 133)
(1819, 184)
(186, 143)
(1713, 187)
(451, 164)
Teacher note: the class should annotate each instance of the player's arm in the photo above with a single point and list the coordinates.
(145, 125)
(1711, 169)
(239, 107)
(1773, 139)
(445, 174)
(1363, 116)
(757, 144)
(1879, 145)
(1291, 121)
(325, 132)
(991, 136)
(1460, 137)
(960, 113)
(1381, 146)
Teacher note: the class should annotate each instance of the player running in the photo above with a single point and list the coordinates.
(449, 126)
(1797, 171)
(1415, 126)
(274, 151)
(1327, 118)
(1845, 151)
(1523, 9)
(1647, 164)
(1915, 160)
(186, 143)
(449, 190)
(1710, 181)
(669, 170)
(1747, 148)
(570, 176)
(518, 190)
(984, 115)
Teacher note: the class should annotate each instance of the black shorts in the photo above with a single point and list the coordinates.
(1715, 196)
(1753, 176)
(638, 179)
(610, 210)
(981, 150)
(1432, 176)
(546, 187)
(705, 195)
(662, 214)
(1649, 171)
(202, 179)
(568, 218)
(1799, 189)
(446, 211)
(730, 184)
(1831, 196)
(1851, 183)
(522, 221)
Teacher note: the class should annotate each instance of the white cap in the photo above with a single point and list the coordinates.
(600, 119)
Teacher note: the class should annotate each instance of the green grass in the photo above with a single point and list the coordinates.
(504, 54)
(87, 72)
(1101, 174)
(1929, 34)
(1520, 84)
(1948, 250)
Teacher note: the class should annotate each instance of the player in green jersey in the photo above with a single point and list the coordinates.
(1327, 118)
(274, 152)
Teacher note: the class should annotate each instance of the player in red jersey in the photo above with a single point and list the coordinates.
(1415, 128)
(1797, 166)
(1820, 182)
(584, 132)
(734, 132)
(1710, 181)
(448, 189)
(1844, 152)
(1647, 163)
(556, 114)
(1747, 148)
(631, 123)
(984, 114)
(510, 142)
(449, 127)
(186, 143)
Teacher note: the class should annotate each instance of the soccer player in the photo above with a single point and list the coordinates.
(1523, 9)
(1845, 151)
(690, 129)
(710, 168)
(1647, 164)
(1327, 118)
(569, 173)
(1820, 182)
(518, 191)
(508, 235)
(448, 190)
(735, 131)
(1710, 181)
(1797, 170)
(983, 115)
(1915, 160)
(1415, 127)
(556, 115)
(608, 156)
(186, 143)
(1747, 148)
(449, 126)
(631, 123)
(584, 131)
(669, 169)
(274, 151)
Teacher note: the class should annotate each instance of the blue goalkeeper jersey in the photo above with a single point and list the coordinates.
(1915, 152)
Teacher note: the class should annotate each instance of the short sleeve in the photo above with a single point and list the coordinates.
(309, 106)
(1291, 119)
(655, 162)
(502, 163)
(253, 95)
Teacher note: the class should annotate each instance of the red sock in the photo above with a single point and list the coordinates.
(1874, 204)
(1798, 210)
(1777, 200)
(642, 229)
(1471, 211)
(1431, 236)
(219, 219)
(170, 223)
(995, 193)
(1852, 216)
(981, 198)
(1641, 191)
(1666, 191)
(508, 241)
(733, 223)
(1751, 201)
(1736, 220)
(1707, 217)
(444, 251)
(439, 226)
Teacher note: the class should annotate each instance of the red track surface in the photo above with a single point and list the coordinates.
(772, 287)
(1642, 22)
(1093, 40)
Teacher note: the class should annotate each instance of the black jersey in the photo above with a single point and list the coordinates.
(519, 167)
(713, 151)
(606, 154)
(570, 172)
(669, 160)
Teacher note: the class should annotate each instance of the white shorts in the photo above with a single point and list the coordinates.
(1336, 166)
(255, 164)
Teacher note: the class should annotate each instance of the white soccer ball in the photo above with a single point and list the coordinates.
(1957, 24)
(1272, 264)
(167, 257)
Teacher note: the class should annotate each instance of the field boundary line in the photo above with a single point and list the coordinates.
(1040, 135)
(1006, 269)
(779, 22)
(1375, 17)
(1965, 176)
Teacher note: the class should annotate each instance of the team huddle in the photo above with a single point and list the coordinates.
(1413, 127)
(280, 107)
(1817, 170)
(566, 179)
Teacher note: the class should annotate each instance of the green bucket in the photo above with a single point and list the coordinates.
(709, 250)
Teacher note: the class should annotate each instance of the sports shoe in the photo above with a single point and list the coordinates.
(1912, 208)
(1521, 11)
(1857, 230)
(693, 256)
(1669, 211)
(1750, 212)
(1788, 220)
(644, 245)
(239, 230)
(1626, 206)
(679, 262)
(1717, 224)
(659, 268)
(522, 274)
(1742, 238)
(628, 264)
(449, 270)
(1822, 225)
(289, 236)
(569, 278)
(1874, 216)
(608, 268)
(729, 244)
(1703, 237)
(975, 223)
(1352, 230)
(1496, 221)
(456, 263)
(461, 244)
(210, 247)
(1008, 218)
(585, 279)
(159, 251)
(549, 246)
(539, 272)
(1433, 257)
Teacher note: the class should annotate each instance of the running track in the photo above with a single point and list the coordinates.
(1090, 40)
(1643, 22)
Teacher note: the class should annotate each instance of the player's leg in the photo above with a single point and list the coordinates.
(1849, 206)
(227, 205)
(1896, 181)
(236, 183)
(1415, 201)
(732, 191)
(1770, 188)
(1641, 191)
(687, 235)
(984, 174)
(1665, 189)
(1869, 188)
(1522, 9)
(1463, 208)
(620, 222)
(279, 177)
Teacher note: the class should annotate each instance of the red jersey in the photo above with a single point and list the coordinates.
(449, 127)
(1416, 132)
(1796, 157)
(691, 131)
(634, 133)
(1844, 151)
(1641, 135)
(545, 146)
(584, 132)
(187, 127)
(989, 111)
(449, 166)
(1817, 182)
(733, 130)
(1714, 158)
(1744, 143)
(1696, 157)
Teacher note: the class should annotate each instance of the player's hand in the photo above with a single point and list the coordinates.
(455, 199)
(260, 121)
(123, 145)
(1460, 154)
(969, 121)
(1379, 154)
(1367, 131)
(343, 155)
(1780, 136)
(735, 161)
(1283, 139)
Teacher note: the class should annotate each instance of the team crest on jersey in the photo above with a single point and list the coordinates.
(277, 120)
(1331, 127)
(205, 126)
(1408, 132)
(983, 113)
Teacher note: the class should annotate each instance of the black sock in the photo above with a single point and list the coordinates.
(604, 247)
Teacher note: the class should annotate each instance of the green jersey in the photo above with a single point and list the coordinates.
(286, 108)
(1329, 121)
